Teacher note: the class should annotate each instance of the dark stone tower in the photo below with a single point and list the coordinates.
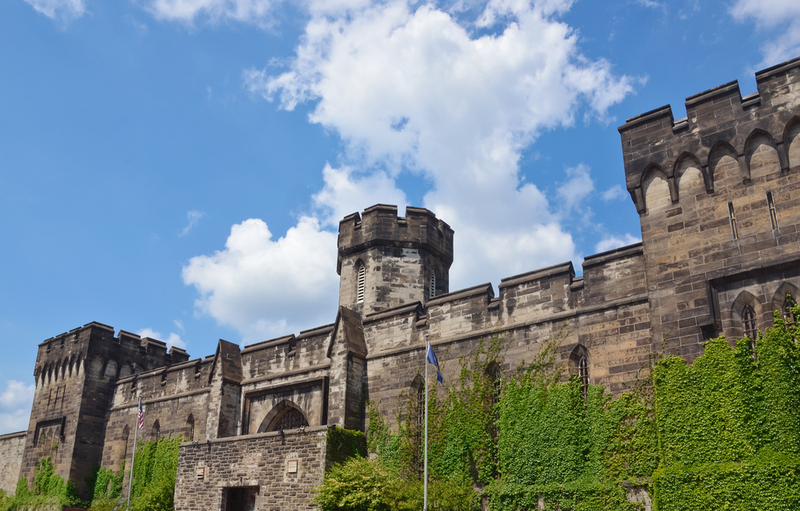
(386, 261)
(75, 374)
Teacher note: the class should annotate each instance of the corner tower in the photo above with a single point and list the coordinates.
(386, 261)
(716, 194)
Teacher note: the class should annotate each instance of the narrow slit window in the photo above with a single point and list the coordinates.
(583, 374)
(732, 218)
(749, 322)
(433, 285)
(773, 216)
(788, 310)
(362, 281)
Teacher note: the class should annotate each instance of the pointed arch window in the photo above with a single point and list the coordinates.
(156, 430)
(190, 426)
(361, 282)
(749, 322)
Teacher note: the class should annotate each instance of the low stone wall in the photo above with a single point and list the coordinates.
(266, 471)
(12, 446)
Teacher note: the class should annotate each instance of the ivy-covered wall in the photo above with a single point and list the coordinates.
(723, 433)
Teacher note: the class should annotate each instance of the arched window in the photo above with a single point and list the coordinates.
(190, 427)
(583, 375)
(292, 418)
(749, 322)
(361, 282)
(433, 285)
(156, 430)
(284, 416)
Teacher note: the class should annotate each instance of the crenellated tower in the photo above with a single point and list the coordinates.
(717, 197)
(75, 376)
(386, 261)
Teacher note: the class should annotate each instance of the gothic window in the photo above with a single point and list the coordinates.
(433, 285)
(190, 426)
(583, 375)
(749, 322)
(156, 430)
(361, 282)
(292, 418)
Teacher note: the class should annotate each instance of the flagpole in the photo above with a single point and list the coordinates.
(133, 456)
(425, 472)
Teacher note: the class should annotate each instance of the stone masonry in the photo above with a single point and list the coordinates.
(718, 195)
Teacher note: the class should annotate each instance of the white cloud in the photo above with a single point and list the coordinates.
(62, 9)
(612, 241)
(15, 406)
(265, 288)
(194, 217)
(411, 86)
(257, 12)
(780, 17)
(613, 193)
(347, 192)
(172, 339)
(576, 188)
(178, 323)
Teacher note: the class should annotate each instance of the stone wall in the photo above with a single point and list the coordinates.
(606, 312)
(277, 470)
(718, 194)
(12, 446)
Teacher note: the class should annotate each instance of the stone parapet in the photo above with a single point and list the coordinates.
(379, 225)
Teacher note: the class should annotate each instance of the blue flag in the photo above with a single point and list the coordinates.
(435, 361)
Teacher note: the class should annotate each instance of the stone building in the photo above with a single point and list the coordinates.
(718, 194)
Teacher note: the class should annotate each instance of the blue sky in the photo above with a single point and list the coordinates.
(177, 168)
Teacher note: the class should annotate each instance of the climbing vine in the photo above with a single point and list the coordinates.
(49, 489)
(154, 474)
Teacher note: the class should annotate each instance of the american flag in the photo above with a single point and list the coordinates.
(141, 415)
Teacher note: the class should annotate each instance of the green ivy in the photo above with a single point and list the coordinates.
(729, 425)
(343, 444)
(154, 473)
(49, 489)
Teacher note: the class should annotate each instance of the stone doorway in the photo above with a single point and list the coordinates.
(242, 498)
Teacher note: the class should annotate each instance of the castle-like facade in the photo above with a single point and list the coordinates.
(718, 194)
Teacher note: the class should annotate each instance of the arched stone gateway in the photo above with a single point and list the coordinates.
(286, 415)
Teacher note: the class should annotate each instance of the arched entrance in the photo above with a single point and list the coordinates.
(284, 416)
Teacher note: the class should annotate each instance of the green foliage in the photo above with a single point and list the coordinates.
(106, 487)
(49, 489)
(344, 444)
(361, 484)
(729, 425)
(154, 473)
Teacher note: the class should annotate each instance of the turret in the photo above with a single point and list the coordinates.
(386, 261)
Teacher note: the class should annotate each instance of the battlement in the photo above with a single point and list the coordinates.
(379, 225)
(719, 121)
(58, 354)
